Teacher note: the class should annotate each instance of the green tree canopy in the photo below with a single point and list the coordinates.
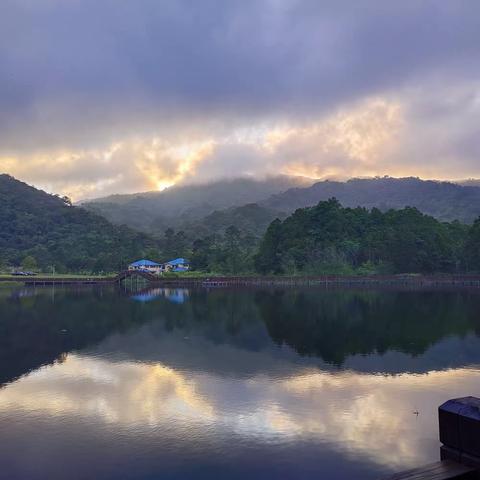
(328, 238)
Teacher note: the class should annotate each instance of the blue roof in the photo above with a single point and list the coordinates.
(178, 261)
(180, 269)
(144, 263)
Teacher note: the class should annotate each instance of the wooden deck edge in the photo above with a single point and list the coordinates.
(441, 470)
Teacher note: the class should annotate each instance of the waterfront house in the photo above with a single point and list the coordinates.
(177, 265)
(146, 265)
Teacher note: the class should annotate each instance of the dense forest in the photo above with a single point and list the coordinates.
(39, 231)
(328, 238)
(331, 239)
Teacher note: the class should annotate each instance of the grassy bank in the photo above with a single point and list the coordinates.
(10, 283)
(21, 278)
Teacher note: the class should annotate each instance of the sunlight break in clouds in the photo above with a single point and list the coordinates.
(348, 142)
(128, 166)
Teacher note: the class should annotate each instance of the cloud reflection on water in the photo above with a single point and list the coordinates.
(234, 383)
(359, 414)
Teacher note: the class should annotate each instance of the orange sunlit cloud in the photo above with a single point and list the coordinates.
(365, 139)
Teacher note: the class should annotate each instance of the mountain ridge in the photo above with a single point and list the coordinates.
(177, 207)
(194, 211)
(443, 200)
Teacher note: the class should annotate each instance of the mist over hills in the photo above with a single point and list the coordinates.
(251, 205)
(184, 206)
(471, 182)
(252, 219)
(216, 193)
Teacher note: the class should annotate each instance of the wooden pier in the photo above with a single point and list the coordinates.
(368, 281)
(443, 470)
(459, 426)
(414, 281)
(63, 281)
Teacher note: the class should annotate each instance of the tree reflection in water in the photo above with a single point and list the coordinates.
(38, 327)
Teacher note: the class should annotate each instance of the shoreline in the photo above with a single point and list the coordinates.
(229, 281)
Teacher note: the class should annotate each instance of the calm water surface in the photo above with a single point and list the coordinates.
(174, 384)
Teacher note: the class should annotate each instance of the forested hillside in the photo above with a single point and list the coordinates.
(251, 219)
(472, 182)
(331, 239)
(38, 230)
(328, 238)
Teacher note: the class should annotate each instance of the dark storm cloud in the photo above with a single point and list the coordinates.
(98, 96)
(78, 71)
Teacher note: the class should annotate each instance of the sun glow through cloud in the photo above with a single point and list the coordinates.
(363, 139)
(348, 142)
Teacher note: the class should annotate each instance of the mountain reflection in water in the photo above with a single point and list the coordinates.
(296, 383)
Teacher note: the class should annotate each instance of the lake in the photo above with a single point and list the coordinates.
(247, 383)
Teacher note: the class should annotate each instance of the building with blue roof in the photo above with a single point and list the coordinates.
(178, 265)
(146, 266)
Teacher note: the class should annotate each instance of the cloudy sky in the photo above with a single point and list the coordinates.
(102, 96)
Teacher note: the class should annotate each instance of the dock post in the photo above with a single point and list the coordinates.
(459, 426)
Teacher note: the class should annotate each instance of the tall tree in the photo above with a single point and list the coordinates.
(268, 259)
(232, 250)
(472, 247)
